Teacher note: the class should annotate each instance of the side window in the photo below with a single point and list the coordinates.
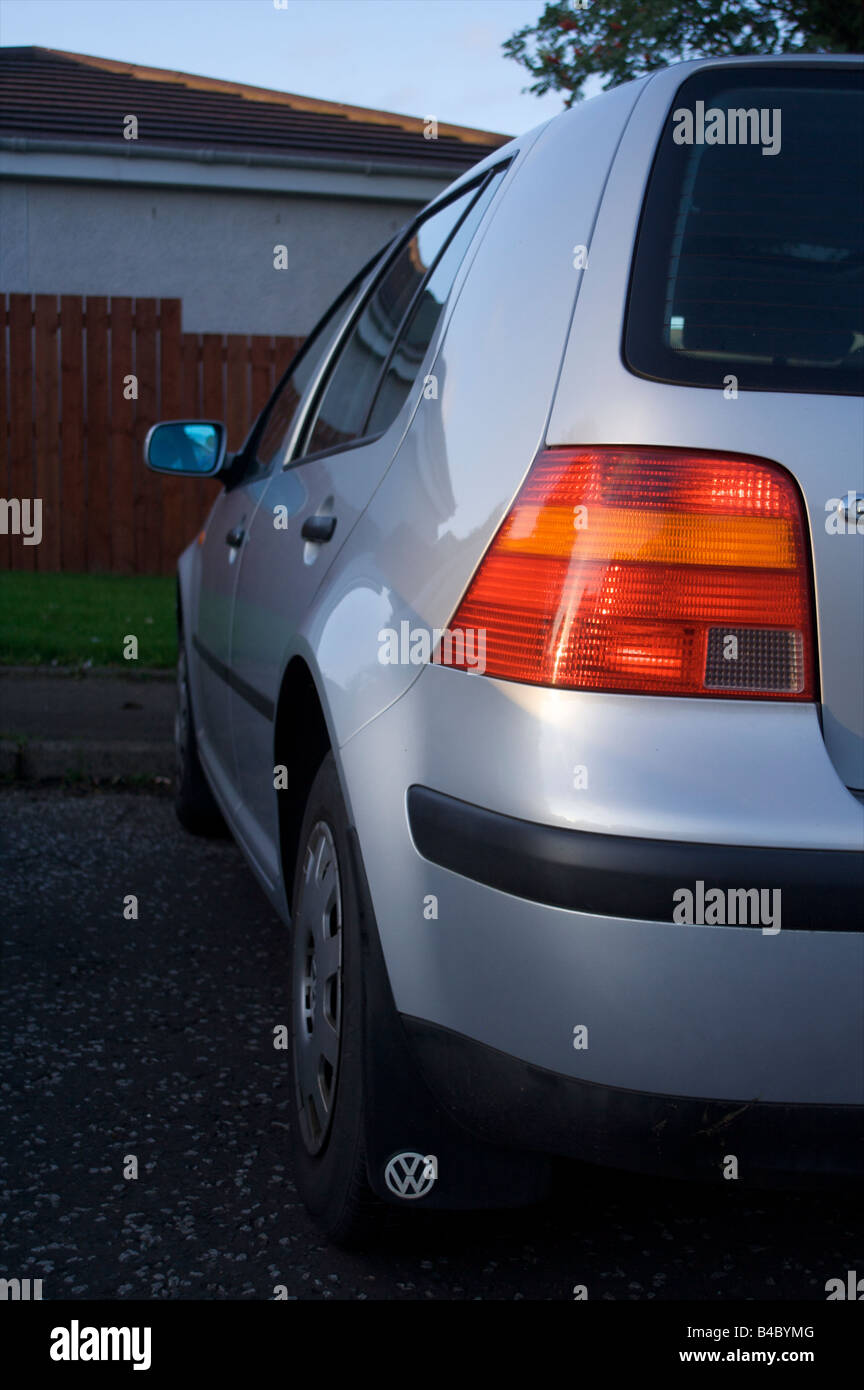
(283, 407)
(348, 394)
(417, 332)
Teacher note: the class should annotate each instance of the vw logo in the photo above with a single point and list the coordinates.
(411, 1175)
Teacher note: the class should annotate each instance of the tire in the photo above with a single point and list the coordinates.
(194, 802)
(327, 1034)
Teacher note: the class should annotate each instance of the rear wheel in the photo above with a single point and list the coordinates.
(193, 800)
(327, 1021)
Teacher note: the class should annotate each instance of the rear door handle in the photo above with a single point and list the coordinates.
(235, 536)
(318, 528)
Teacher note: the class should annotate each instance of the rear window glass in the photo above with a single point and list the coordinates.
(750, 255)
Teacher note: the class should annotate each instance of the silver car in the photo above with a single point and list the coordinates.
(522, 655)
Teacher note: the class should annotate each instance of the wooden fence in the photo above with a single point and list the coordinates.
(70, 435)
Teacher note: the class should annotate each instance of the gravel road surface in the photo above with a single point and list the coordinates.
(152, 1039)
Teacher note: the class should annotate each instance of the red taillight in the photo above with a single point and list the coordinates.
(647, 570)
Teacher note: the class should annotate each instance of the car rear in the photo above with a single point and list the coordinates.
(614, 836)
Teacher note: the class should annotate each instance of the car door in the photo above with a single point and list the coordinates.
(337, 449)
(226, 536)
(211, 634)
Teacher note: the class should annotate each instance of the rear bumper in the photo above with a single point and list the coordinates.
(527, 939)
(507, 1102)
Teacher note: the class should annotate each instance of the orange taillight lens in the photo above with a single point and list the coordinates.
(648, 570)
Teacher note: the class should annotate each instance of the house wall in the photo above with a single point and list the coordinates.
(211, 248)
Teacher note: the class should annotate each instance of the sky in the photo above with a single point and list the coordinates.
(438, 58)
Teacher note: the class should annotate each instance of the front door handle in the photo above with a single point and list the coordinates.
(235, 536)
(318, 528)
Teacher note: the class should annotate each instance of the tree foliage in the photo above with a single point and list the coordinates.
(621, 39)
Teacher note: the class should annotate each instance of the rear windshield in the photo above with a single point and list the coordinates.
(750, 255)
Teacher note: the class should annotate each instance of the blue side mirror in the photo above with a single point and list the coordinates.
(193, 447)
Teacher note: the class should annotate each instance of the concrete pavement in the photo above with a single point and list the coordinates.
(100, 724)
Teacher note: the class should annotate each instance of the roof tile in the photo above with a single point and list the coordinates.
(46, 94)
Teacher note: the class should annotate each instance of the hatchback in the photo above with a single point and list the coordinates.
(522, 655)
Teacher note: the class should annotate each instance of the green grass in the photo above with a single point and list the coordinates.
(70, 619)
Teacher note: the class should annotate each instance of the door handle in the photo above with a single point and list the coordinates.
(318, 528)
(235, 536)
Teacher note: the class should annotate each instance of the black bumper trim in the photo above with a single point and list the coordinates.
(624, 876)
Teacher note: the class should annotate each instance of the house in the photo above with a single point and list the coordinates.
(166, 243)
(126, 180)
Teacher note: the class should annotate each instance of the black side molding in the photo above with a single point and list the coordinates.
(262, 703)
(623, 876)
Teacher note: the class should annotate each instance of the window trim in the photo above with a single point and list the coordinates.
(301, 439)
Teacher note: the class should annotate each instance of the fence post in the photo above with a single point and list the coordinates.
(47, 425)
(73, 482)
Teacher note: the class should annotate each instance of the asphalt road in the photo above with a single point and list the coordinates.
(112, 706)
(153, 1038)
